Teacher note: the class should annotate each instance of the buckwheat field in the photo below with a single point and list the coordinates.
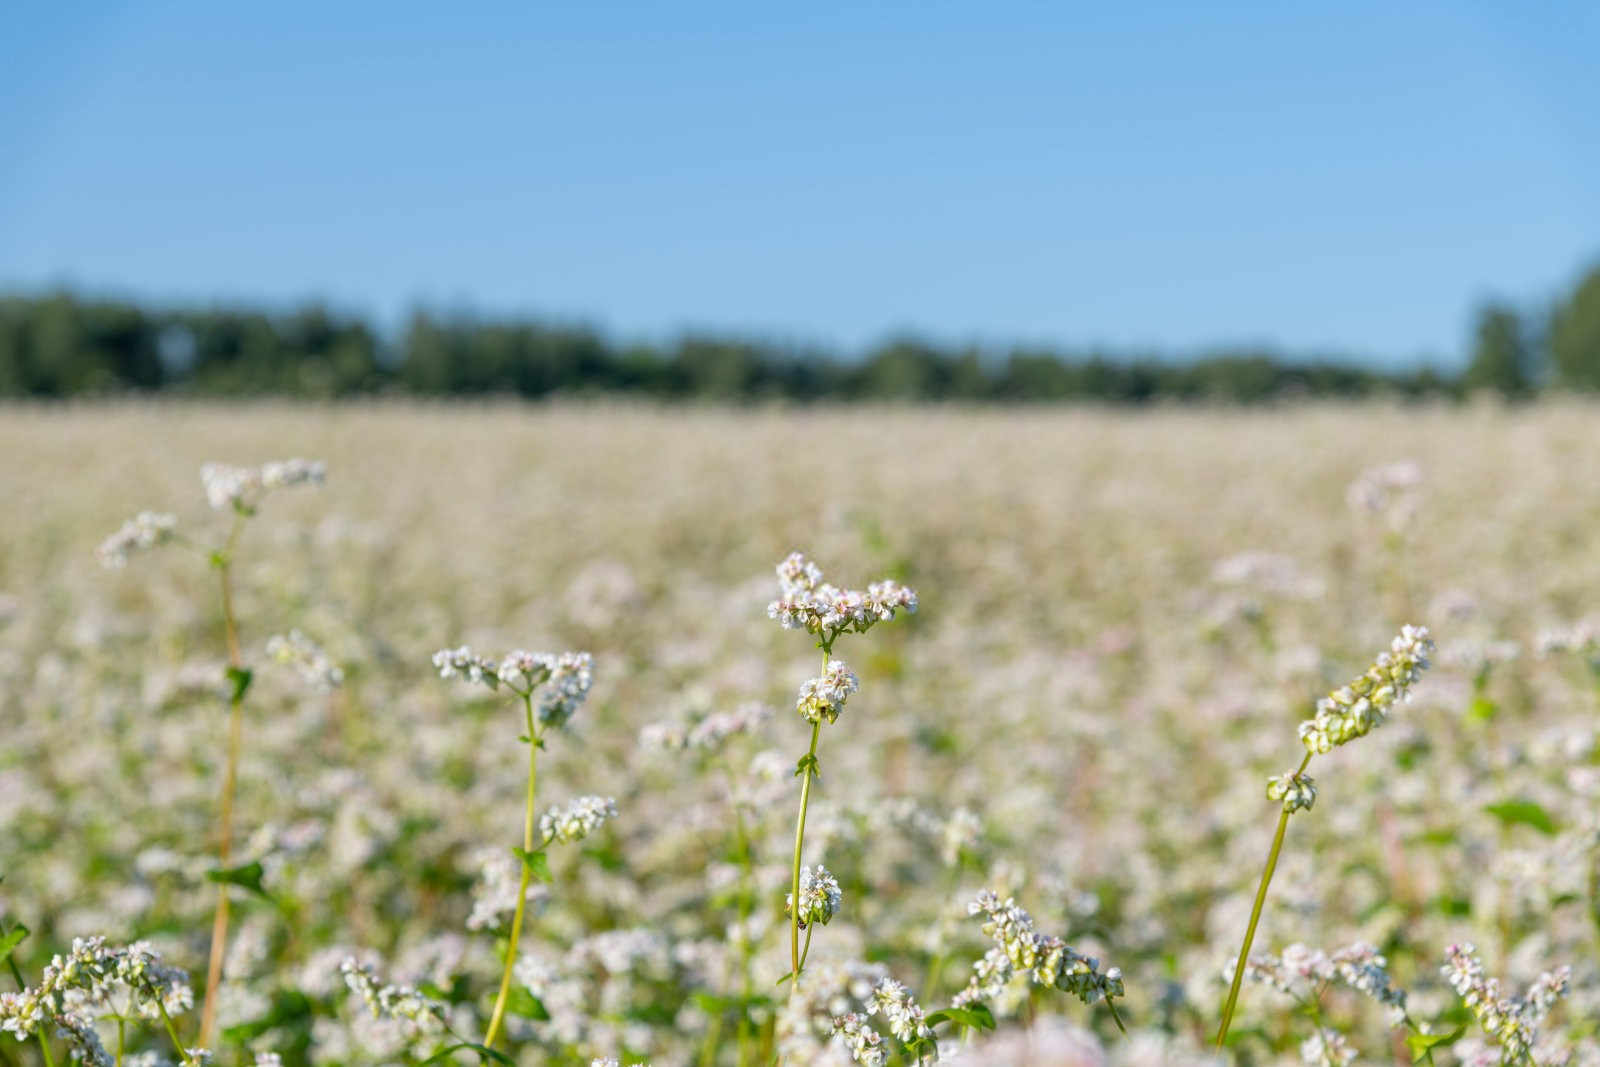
(558, 735)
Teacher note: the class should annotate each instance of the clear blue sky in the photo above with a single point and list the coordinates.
(1175, 175)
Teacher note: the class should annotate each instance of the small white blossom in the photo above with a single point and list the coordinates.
(819, 897)
(300, 652)
(145, 530)
(241, 488)
(577, 820)
(823, 697)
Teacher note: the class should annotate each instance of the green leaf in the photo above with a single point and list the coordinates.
(240, 677)
(1523, 811)
(1482, 709)
(483, 1051)
(809, 763)
(978, 1017)
(537, 863)
(523, 1003)
(1421, 1044)
(245, 876)
(12, 940)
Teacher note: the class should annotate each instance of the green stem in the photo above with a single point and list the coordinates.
(122, 1039)
(1255, 918)
(499, 1012)
(799, 841)
(172, 1031)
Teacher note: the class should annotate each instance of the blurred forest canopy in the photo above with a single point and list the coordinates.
(60, 345)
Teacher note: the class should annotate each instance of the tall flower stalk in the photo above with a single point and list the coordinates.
(551, 689)
(806, 602)
(1347, 713)
(238, 490)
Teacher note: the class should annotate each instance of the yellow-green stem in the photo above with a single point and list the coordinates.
(172, 1031)
(799, 841)
(498, 1015)
(122, 1039)
(1250, 931)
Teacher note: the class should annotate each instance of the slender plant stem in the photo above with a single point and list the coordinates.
(122, 1039)
(172, 1031)
(799, 841)
(499, 1012)
(1255, 918)
(219, 923)
(16, 974)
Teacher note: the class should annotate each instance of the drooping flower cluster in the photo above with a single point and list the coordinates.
(1512, 1022)
(561, 681)
(1296, 789)
(241, 488)
(819, 897)
(577, 820)
(95, 980)
(707, 733)
(303, 654)
(419, 1013)
(823, 697)
(864, 1044)
(1045, 959)
(1303, 972)
(145, 530)
(1356, 709)
(806, 602)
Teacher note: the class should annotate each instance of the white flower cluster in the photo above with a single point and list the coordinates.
(300, 652)
(707, 733)
(1512, 1022)
(823, 697)
(419, 1013)
(900, 1011)
(1297, 790)
(863, 1042)
(577, 820)
(1327, 1048)
(494, 895)
(562, 681)
(241, 488)
(1044, 958)
(806, 1021)
(145, 530)
(1581, 636)
(1356, 709)
(91, 981)
(1303, 972)
(819, 897)
(806, 602)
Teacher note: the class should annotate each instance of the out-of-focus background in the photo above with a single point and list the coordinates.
(1255, 332)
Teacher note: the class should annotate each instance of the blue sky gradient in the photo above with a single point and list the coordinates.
(1169, 176)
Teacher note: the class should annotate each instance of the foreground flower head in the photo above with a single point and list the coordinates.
(1296, 789)
(1358, 708)
(806, 602)
(241, 488)
(1512, 1022)
(1045, 959)
(145, 530)
(576, 820)
(561, 681)
(819, 897)
(823, 697)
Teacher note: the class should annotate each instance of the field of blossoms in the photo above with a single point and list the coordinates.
(482, 734)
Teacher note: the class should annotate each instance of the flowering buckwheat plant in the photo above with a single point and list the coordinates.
(1349, 712)
(239, 489)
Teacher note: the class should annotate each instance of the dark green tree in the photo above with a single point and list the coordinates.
(1575, 335)
(1501, 357)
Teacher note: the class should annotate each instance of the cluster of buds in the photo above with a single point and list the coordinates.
(148, 529)
(806, 602)
(1512, 1022)
(1303, 972)
(705, 734)
(577, 820)
(561, 681)
(95, 980)
(819, 897)
(1355, 710)
(823, 697)
(1045, 959)
(300, 652)
(1296, 789)
(420, 1013)
(241, 488)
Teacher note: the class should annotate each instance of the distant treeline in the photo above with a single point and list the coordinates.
(60, 345)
